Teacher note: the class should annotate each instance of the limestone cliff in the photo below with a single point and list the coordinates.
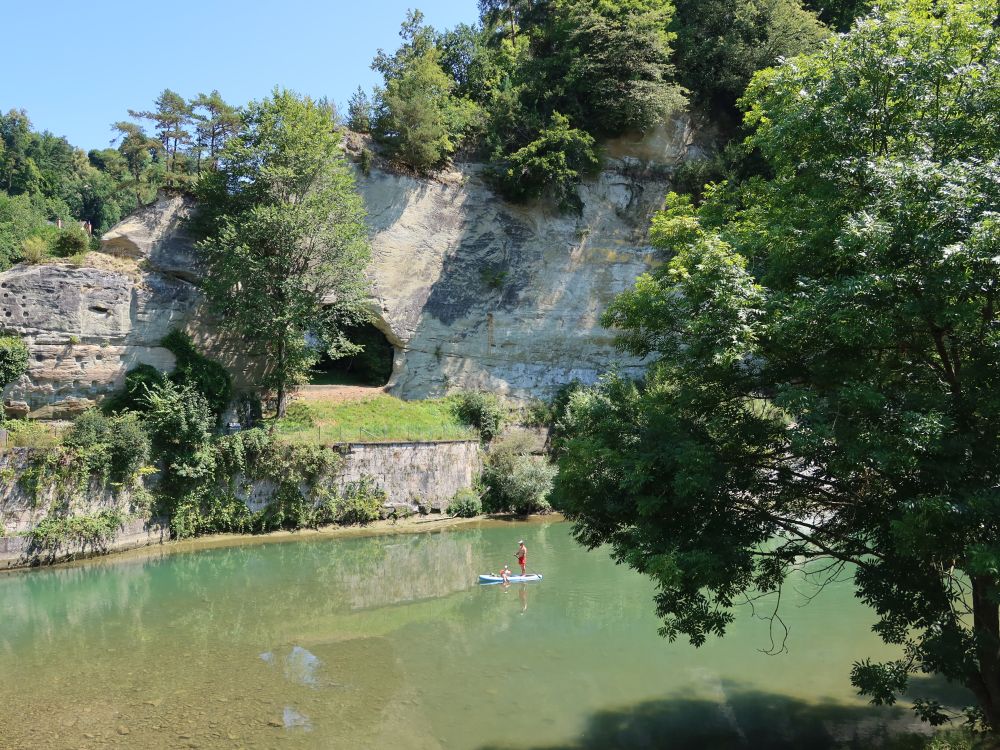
(472, 291)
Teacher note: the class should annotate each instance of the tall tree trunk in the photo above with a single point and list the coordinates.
(282, 387)
(986, 628)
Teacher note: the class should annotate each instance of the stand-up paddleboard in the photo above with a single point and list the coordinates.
(490, 578)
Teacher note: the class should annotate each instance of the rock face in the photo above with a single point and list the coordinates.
(478, 293)
(472, 291)
(86, 327)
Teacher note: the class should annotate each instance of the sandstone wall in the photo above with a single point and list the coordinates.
(475, 292)
(472, 291)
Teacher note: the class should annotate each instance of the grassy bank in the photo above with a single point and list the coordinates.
(380, 418)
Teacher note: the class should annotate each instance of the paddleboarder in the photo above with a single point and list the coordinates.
(522, 556)
(505, 574)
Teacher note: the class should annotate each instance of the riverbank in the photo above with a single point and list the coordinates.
(165, 547)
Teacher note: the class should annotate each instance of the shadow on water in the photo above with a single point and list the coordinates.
(743, 719)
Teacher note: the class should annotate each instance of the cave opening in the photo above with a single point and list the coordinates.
(371, 367)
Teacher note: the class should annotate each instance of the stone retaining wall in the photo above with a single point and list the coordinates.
(412, 474)
(415, 474)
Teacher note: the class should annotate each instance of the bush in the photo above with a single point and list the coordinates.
(13, 359)
(361, 502)
(132, 396)
(34, 249)
(54, 533)
(288, 509)
(113, 447)
(557, 413)
(551, 165)
(484, 411)
(208, 510)
(71, 241)
(365, 162)
(466, 504)
(515, 481)
(194, 369)
(129, 448)
(299, 415)
(29, 433)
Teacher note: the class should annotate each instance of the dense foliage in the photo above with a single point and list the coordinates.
(514, 481)
(482, 410)
(13, 359)
(722, 43)
(194, 369)
(826, 359)
(465, 504)
(531, 81)
(286, 238)
(115, 448)
(45, 182)
(535, 84)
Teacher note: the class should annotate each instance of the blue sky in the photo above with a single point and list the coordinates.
(76, 66)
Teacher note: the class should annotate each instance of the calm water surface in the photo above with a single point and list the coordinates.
(388, 642)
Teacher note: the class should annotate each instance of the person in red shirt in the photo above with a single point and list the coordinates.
(522, 556)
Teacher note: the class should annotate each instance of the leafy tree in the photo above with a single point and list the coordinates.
(20, 218)
(504, 15)
(721, 43)
(287, 240)
(139, 153)
(215, 121)
(551, 165)
(620, 71)
(826, 360)
(514, 480)
(359, 112)
(172, 118)
(417, 116)
(13, 359)
(838, 14)
(18, 171)
(180, 422)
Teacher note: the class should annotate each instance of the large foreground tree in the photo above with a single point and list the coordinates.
(825, 378)
(287, 241)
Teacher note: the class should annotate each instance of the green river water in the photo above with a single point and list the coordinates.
(389, 642)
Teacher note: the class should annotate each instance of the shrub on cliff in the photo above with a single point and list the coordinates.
(484, 411)
(417, 116)
(205, 375)
(114, 447)
(132, 395)
(70, 241)
(551, 165)
(13, 359)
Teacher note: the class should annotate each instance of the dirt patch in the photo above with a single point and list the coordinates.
(337, 394)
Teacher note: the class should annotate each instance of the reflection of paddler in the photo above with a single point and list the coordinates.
(522, 556)
(522, 594)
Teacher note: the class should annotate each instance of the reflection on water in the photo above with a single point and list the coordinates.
(389, 641)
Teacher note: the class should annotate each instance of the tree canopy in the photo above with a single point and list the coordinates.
(825, 355)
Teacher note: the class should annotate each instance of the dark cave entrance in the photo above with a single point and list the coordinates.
(371, 367)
